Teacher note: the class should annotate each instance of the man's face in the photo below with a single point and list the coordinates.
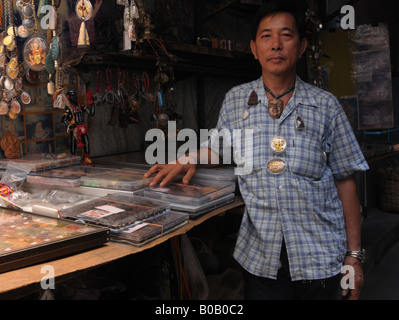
(277, 45)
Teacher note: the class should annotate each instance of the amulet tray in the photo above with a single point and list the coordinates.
(67, 176)
(27, 238)
(43, 161)
(195, 194)
(151, 229)
(116, 210)
(127, 180)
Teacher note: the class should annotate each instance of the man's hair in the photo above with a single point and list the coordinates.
(275, 6)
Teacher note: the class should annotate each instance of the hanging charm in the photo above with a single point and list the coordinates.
(84, 11)
(278, 145)
(245, 114)
(35, 52)
(299, 123)
(253, 99)
(276, 166)
(276, 106)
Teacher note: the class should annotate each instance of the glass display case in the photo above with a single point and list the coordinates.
(27, 238)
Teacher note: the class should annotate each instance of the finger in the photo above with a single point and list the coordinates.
(189, 175)
(170, 176)
(157, 179)
(152, 170)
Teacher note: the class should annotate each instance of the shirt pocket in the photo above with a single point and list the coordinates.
(309, 154)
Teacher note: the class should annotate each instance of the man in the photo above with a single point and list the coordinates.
(302, 217)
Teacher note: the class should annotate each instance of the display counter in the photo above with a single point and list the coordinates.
(19, 283)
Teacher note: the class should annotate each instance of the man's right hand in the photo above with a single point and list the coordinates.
(166, 173)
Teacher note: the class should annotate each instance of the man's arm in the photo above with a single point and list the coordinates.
(347, 192)
(186, 165)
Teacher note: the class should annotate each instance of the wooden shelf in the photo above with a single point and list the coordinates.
(190, 58)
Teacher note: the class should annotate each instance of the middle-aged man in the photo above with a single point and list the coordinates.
(302, 217)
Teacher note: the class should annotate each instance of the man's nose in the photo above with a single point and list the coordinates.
(276, 44)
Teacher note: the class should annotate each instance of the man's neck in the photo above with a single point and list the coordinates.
(278, 83)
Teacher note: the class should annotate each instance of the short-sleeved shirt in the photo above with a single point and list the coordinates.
(301, 204)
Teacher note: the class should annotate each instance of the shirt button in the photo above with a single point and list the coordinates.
(281, 187)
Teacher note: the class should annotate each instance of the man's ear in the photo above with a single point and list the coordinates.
(253, 49)
(304, 46)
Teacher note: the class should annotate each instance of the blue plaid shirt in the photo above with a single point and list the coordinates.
(300, 204)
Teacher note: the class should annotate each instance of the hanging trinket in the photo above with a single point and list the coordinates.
(35, 52)
(3, 108)
(84, 11)
(28, 18)
(299, 123)
(25, 97)
(276, 166)
(23, 32)
(245, 114)
(278, 145)
(15, 107)
(253, 99)
(127, 43)
(276, 106)
(134, 16)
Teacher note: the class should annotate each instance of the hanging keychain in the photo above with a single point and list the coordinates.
(109, 95)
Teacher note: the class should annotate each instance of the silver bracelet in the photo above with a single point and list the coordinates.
(361, 255)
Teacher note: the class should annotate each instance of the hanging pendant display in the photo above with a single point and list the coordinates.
(35, 52)
(11, 79)
(84, 11)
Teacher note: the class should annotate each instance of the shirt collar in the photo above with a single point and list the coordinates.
(301, 93)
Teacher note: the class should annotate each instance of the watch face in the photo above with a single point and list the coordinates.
(35, 52)
(84, 9)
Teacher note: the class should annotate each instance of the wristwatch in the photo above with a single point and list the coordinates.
(361, 255)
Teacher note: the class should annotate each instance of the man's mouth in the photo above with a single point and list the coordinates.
(275, 58)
